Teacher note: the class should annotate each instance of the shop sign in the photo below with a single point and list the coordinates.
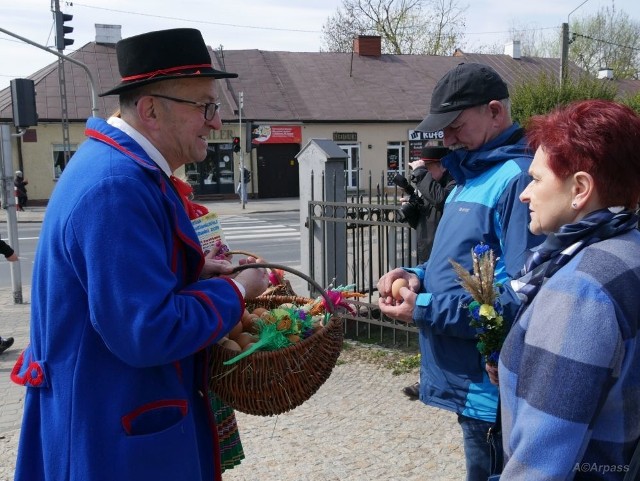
(345, 136)
(277, 134)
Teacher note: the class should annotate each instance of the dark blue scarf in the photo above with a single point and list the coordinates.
(546, 259)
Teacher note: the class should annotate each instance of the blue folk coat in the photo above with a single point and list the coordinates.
(116, 368)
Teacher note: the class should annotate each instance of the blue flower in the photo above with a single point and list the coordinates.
(481, 249)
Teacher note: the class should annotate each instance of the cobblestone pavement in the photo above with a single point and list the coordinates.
(357, 427)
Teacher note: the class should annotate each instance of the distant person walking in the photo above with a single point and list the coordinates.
(11, 256)
(20, 185)
(244, 182)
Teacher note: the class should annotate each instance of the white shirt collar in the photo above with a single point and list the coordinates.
(147, 146)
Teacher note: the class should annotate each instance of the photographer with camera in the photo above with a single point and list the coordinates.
(423, 208)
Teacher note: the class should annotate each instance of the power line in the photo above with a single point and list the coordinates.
(196, 21)
(604, 41)
(513, 30)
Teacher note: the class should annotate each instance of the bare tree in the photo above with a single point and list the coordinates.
(431, 27)
(609, 39)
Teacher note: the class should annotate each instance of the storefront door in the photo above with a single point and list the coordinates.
(214, 175)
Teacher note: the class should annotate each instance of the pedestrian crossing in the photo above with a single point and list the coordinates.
(239, 228)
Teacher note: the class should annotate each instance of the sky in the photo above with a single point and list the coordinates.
(277, 25)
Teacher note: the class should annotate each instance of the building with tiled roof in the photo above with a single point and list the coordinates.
(366, 102)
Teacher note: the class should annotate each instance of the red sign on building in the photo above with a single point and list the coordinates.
(277, 134)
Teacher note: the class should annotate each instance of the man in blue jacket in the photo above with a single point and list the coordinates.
(124, 302)
(489, 162)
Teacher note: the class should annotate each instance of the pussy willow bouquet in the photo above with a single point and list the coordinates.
(485, 309)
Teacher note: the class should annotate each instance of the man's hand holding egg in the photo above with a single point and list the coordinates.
(396, 286)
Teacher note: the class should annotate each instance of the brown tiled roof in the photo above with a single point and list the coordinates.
(290, 86)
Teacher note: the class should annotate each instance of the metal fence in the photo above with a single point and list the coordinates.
(362, 239)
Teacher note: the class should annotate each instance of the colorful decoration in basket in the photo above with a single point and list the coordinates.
(485, 309)
(338, 296)
(271, 329)
(276, 277)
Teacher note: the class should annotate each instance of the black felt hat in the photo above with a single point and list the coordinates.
(163, 55)
(465, 86)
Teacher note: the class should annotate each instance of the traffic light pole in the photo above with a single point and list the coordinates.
(9, 203)
(92, 83)
(243, 186)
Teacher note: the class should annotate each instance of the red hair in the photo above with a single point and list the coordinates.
(599, 137)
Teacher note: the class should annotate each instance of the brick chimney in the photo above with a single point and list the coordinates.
(368, 45)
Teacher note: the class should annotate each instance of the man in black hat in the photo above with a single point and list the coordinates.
(489, 162)
(124, 303)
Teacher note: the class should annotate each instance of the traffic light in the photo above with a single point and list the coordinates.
(252, 134)
(236, 144)
(23, 102)
(62, 30)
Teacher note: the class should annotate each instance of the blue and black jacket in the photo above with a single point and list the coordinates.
(483, 207)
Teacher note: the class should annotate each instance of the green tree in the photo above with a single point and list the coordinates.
(541, 95)
(430, 27)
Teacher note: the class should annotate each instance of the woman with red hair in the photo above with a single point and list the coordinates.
(569, 368)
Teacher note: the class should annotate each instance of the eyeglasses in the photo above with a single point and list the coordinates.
(210, 108)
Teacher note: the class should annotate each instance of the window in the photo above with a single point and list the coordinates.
(395, 161)
(58, 158)
(353, 163)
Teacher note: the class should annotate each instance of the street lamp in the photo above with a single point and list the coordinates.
(564, 57)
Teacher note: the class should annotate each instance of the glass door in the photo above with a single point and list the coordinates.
(353, 163)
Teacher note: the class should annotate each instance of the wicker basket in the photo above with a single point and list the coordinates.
(267, 383)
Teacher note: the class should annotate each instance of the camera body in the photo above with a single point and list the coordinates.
(409, 212)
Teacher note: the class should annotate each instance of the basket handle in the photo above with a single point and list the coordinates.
(268, 265)
(251, 254)
(244, 253)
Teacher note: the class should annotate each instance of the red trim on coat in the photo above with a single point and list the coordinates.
(128, 419)
(96, 135)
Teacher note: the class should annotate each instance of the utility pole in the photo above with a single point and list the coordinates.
(564, 58)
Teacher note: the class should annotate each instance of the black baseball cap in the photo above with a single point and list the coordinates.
(467, 85)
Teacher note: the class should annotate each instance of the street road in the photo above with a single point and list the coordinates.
(274, 236)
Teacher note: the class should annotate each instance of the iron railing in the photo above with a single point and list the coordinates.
(370, 240)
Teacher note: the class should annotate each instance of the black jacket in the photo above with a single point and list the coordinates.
(434, 193)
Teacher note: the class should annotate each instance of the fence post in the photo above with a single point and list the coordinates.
(327, 161)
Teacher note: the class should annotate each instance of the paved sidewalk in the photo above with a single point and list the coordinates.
(222, 207)
(357, 427)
